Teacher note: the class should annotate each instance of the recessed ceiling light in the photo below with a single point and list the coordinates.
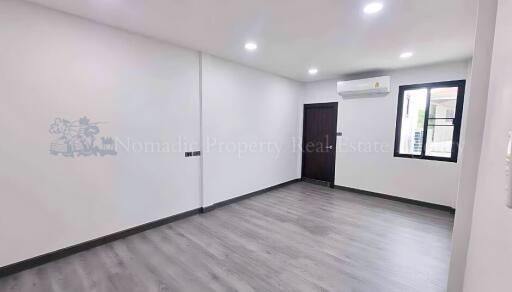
(373, 7)
(406, 55)
(313, 71)
(250, 46)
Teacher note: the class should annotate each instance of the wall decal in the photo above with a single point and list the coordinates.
(78, 138)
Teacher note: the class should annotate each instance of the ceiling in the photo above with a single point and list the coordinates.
(334, 36)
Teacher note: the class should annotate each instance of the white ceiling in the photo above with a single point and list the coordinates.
(293, 35)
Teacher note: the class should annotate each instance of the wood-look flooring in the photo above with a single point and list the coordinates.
(301, 237)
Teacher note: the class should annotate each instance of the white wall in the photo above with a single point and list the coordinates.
(474, 119)
(247, 106)
(54, 65)
(372, 121)
(489, 261)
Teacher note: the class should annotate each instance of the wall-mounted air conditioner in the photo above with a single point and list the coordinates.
(364, 87)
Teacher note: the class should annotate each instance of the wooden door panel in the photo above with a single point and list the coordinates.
(319, 141)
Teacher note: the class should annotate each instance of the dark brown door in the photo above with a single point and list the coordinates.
(319, 141)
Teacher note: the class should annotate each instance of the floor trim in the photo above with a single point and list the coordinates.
(316, 182)
(247, 196)
(67, 251)
(398, 199)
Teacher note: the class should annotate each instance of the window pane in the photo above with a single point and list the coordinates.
(439, 141)
(413, 120)
(442, 103)
(441, 122)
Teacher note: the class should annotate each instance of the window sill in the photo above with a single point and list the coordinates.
(432, 158)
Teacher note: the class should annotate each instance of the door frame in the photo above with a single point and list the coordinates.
(334, 134)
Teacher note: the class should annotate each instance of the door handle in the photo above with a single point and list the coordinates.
(329, 147)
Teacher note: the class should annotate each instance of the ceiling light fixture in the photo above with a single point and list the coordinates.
(373, 7)
(406, 55)
(313, 71)
(250, 46)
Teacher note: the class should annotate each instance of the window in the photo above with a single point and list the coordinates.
(428, 120)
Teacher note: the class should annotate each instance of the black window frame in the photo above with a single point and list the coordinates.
(457, 120)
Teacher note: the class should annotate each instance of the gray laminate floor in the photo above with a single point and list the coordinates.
(301, 237)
